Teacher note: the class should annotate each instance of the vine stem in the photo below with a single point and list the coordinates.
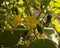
(29, 12)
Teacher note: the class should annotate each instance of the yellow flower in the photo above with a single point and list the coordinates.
(31, 21)
(16, 20)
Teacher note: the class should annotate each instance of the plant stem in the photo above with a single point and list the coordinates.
(39, 15)
(27, 8)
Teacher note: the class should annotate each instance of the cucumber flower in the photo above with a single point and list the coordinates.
(31, 21)
(17, 20)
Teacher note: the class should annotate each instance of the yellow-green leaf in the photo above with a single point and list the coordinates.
(55, 22)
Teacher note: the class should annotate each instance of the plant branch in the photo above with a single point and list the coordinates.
(27, 8)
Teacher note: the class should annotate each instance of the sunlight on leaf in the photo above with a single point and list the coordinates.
(25, 15)
(57, 26)
(57, 1)
(20, 10)
(55, 6)
(57, 11)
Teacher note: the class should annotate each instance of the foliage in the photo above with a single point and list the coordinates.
(42, 43)
(23, 22)
(55, 6)
(57, 26)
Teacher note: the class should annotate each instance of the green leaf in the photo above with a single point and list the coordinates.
(56, 24)
(21, 46)
(11, 38)
(45, 2)
(42, 43)
(21, 26)
(0, 37)
(48, 31)
(55, 6)
(1, 1)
